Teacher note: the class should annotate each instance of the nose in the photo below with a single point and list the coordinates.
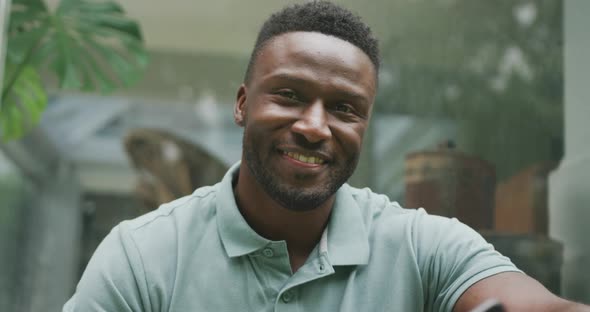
(313, 123)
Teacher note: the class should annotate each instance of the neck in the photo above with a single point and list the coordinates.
(301, 230)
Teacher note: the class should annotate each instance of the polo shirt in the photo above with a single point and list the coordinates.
(198, 253)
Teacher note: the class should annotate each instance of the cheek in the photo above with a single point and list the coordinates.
(271, 115)
(265, 123)
(349, 136)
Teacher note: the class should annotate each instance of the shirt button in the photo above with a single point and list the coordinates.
(268, 252)
(321, 268)
(287, 296)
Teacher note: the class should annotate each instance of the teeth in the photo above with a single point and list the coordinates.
(305, 159)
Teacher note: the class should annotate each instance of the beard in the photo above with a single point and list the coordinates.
(290, 196)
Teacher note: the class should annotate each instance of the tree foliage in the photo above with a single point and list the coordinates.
(495, 67)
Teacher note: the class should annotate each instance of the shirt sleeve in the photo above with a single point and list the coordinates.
(113, 279)
(452, 257)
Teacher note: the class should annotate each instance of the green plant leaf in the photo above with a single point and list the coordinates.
(26, 28)
(87, 45)
(23, 104)
(95, 47)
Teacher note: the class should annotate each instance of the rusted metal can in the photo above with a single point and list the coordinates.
(450, 183)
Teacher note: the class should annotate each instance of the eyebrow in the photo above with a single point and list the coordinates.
(302, 81)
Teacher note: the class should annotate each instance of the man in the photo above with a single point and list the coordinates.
(282, 231)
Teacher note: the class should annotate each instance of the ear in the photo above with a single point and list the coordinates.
(240, 107)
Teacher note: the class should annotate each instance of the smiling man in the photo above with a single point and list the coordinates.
(283, 231)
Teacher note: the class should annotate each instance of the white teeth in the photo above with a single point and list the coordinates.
(305, 159)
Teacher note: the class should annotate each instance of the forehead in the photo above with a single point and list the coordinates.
(317, 54)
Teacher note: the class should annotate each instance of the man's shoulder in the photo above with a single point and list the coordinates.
(384, 215)
(167, 224)
(200, 201)
(378, 205)
(141, 255)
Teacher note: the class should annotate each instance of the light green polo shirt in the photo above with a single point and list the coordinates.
(198, 254)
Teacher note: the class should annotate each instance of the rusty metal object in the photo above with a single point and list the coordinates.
(169, 166)
(521, 201)
(452, 184)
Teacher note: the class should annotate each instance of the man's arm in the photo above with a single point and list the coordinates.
(517, 292)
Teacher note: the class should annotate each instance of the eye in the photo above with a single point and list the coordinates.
(343, 108)
(288, 94)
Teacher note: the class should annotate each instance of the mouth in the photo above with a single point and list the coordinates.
(305, 158)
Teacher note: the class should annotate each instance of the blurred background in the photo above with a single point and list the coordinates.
(481, 114)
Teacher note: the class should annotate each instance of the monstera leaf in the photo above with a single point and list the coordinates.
(85, 45)
(24, 103)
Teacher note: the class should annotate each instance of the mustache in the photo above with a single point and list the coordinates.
(301, 142)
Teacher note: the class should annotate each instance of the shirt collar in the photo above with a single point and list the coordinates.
(237, 236)
(345, 237)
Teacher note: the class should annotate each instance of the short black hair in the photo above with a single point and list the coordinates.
(318, 16)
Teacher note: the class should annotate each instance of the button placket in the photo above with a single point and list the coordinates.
(268, 252)
(321, 268)
(287, 296)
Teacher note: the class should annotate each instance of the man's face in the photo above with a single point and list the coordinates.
(304, 111)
